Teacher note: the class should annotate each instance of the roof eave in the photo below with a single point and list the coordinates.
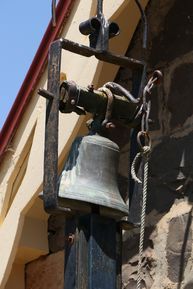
(33, 75)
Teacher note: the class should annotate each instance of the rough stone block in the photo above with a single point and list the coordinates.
(179, 246)
(47, 272)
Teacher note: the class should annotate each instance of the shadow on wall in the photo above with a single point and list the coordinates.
(171, 161)
(170, 181)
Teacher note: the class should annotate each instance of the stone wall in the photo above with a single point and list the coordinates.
(47, 272)
(167, 260)
(168, 253)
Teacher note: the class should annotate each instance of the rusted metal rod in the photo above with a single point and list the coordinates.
(95, 102)
(43, 92)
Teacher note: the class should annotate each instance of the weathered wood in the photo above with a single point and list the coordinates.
(93, 261)
(102, 253)
(70, 271)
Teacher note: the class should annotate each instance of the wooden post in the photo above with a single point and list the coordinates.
(93, 258)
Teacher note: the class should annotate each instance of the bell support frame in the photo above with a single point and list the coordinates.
(52, 94)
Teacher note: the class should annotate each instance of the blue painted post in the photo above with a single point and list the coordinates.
(93, 261)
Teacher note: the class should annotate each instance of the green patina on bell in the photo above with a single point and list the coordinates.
(90, 177)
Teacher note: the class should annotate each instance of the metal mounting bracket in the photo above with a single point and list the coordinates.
(50, 183)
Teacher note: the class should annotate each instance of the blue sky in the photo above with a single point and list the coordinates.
(22, 26)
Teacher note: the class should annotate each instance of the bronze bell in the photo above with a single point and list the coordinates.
(90, 177)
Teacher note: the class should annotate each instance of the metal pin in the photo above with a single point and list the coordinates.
(54, 13)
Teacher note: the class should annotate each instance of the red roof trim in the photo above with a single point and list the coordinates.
(33, 75)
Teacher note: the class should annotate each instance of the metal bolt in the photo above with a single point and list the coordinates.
(73, 102)
(71, 239)
(90, 87)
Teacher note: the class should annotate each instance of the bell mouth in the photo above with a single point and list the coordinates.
(82, 207)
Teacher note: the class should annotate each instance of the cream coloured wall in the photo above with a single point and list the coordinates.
(22, 169)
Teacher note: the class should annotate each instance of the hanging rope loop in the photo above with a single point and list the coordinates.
(144, 141)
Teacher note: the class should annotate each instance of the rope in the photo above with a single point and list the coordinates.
(133, 166)
(145, 155)
(145, 148)
(145, 151)
(142, 228)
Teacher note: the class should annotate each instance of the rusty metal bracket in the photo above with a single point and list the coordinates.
(108, 115)
(69, 103)
(53, 100)
(52, 111)
(99, 29)
(52, 94)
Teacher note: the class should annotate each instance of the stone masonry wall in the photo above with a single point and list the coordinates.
(47, 272)
(168, 250)
(168, 253)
